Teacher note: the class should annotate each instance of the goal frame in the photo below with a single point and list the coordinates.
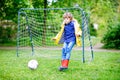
(85, 23)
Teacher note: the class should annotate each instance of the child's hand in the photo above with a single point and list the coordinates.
(64, 22)
(53, 39)
(78, 35)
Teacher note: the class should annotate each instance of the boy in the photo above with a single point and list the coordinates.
(69, 35)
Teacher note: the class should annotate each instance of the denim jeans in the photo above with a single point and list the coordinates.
(66, 50)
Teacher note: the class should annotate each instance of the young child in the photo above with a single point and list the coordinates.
(69, 35)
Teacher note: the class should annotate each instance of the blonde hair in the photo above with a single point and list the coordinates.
(68, 14)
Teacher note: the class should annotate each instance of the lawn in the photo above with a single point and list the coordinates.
(105, 66)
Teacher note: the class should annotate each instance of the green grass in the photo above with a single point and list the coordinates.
(106, 66)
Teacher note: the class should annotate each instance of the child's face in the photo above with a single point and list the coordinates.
(67, 20)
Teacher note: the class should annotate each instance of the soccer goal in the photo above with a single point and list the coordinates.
(36, 28)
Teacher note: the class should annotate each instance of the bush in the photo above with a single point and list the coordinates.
(93, 31)
(112, 38)
(7, 35)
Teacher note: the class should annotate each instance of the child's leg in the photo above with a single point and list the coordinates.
(63, 61)
(64, 50)
(69, 49)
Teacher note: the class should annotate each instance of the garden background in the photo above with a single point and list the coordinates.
(105, 14)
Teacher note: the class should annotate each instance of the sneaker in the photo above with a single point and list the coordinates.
(62, 68)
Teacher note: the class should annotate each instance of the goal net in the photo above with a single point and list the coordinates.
(37, 27)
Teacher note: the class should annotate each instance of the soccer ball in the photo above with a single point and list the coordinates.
(33, 64)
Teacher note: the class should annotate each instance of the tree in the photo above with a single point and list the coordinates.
(9, 8)
(45, 14)
(9, 14)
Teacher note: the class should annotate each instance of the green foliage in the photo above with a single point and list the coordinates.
(102, 12)
(93, 32)
(38, 3)
(7, 34)
(112, 37)
(9, 9)
(8, 20)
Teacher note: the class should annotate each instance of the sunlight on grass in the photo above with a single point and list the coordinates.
(106, 66)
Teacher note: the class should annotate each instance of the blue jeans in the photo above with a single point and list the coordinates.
(66, 50)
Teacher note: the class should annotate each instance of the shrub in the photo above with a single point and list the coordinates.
(112, 38)
(93, 31)
(7, 35)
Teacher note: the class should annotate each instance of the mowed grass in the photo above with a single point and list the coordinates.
(105, 66)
